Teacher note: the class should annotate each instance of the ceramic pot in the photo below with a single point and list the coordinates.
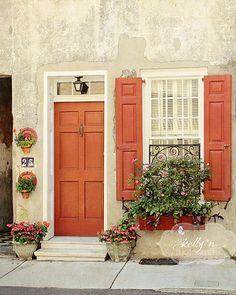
(25, 194)
(25, 251)
(26, 149)
(118, 251)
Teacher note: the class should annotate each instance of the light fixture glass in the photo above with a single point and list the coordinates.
(80, 86)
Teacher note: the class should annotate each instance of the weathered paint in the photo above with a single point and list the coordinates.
(5, 152)
(109, 35)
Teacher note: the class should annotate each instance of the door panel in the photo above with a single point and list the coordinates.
(79, 168)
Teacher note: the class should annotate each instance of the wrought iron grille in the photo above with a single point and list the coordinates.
(159, 152)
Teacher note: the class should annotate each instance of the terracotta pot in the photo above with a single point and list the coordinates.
(188, 222)
(28, 175)
(25, 251)
(118, 251)
(26, 149)
(25, 194)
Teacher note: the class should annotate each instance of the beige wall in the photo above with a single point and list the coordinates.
(6, 37)
(110, 35)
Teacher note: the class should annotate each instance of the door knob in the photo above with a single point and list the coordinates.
(81, 130)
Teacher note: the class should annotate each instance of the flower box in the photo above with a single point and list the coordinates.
(188, 222)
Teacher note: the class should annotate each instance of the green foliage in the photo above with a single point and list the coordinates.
(25, 184)
(170, 187)
(23, 141)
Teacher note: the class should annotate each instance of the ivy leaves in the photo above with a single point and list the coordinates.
(170, 187)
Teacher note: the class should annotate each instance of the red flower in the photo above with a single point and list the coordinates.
(45, 223)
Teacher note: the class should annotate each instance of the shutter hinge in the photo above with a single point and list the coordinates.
(203, 79)
(143, 81)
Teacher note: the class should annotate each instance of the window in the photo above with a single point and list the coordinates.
(65, 87)
(174, 111)
(173, 108)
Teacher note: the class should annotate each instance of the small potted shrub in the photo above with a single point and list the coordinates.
(25, 139)
(26, 237)
(120, 239)
(168, 192)
(26, 184)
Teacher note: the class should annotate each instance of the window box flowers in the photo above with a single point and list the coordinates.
(26, 237)
(168, 192)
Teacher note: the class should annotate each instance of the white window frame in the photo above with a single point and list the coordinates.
(183, 73)
(74, 97)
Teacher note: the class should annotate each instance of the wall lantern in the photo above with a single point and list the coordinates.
(80, 86)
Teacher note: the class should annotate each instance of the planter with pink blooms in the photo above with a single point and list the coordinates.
(168, 194)
(25, 139)
(27, 236)
(120, 240)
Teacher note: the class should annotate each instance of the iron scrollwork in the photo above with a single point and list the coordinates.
(158, 152)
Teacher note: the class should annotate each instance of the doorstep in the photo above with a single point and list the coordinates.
(65, 248)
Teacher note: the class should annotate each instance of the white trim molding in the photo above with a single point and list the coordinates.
(48, 143)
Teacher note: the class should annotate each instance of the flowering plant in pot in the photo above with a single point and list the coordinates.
(170, 190)
(26, 237)
(120, 239)
(26, 183)
(25, 139)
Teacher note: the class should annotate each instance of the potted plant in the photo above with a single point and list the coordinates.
(120, 239)
(169, 192)
(26, 183)
(26, 237)
(25, 139)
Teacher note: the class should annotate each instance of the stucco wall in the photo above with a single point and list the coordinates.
(112, 35)
(5, 37)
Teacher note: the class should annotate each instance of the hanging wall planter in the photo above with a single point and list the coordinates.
(25, 139)
(27, 182)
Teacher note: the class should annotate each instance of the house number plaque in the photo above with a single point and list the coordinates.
(27, 162)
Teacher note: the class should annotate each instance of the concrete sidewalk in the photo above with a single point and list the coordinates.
(197, 276)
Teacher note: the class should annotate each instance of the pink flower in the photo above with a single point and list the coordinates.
(164, 173)
(183, 194)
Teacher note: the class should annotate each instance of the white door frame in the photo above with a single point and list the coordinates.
(48, 143)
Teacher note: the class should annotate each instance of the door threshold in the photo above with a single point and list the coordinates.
(74, 239)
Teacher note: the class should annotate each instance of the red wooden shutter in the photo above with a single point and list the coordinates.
(217, 137)
(128, 133)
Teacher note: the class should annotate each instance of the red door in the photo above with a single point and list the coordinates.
(79, 171)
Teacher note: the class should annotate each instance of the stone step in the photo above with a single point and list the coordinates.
(71, 254)
(52, 244)
(72, 259)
